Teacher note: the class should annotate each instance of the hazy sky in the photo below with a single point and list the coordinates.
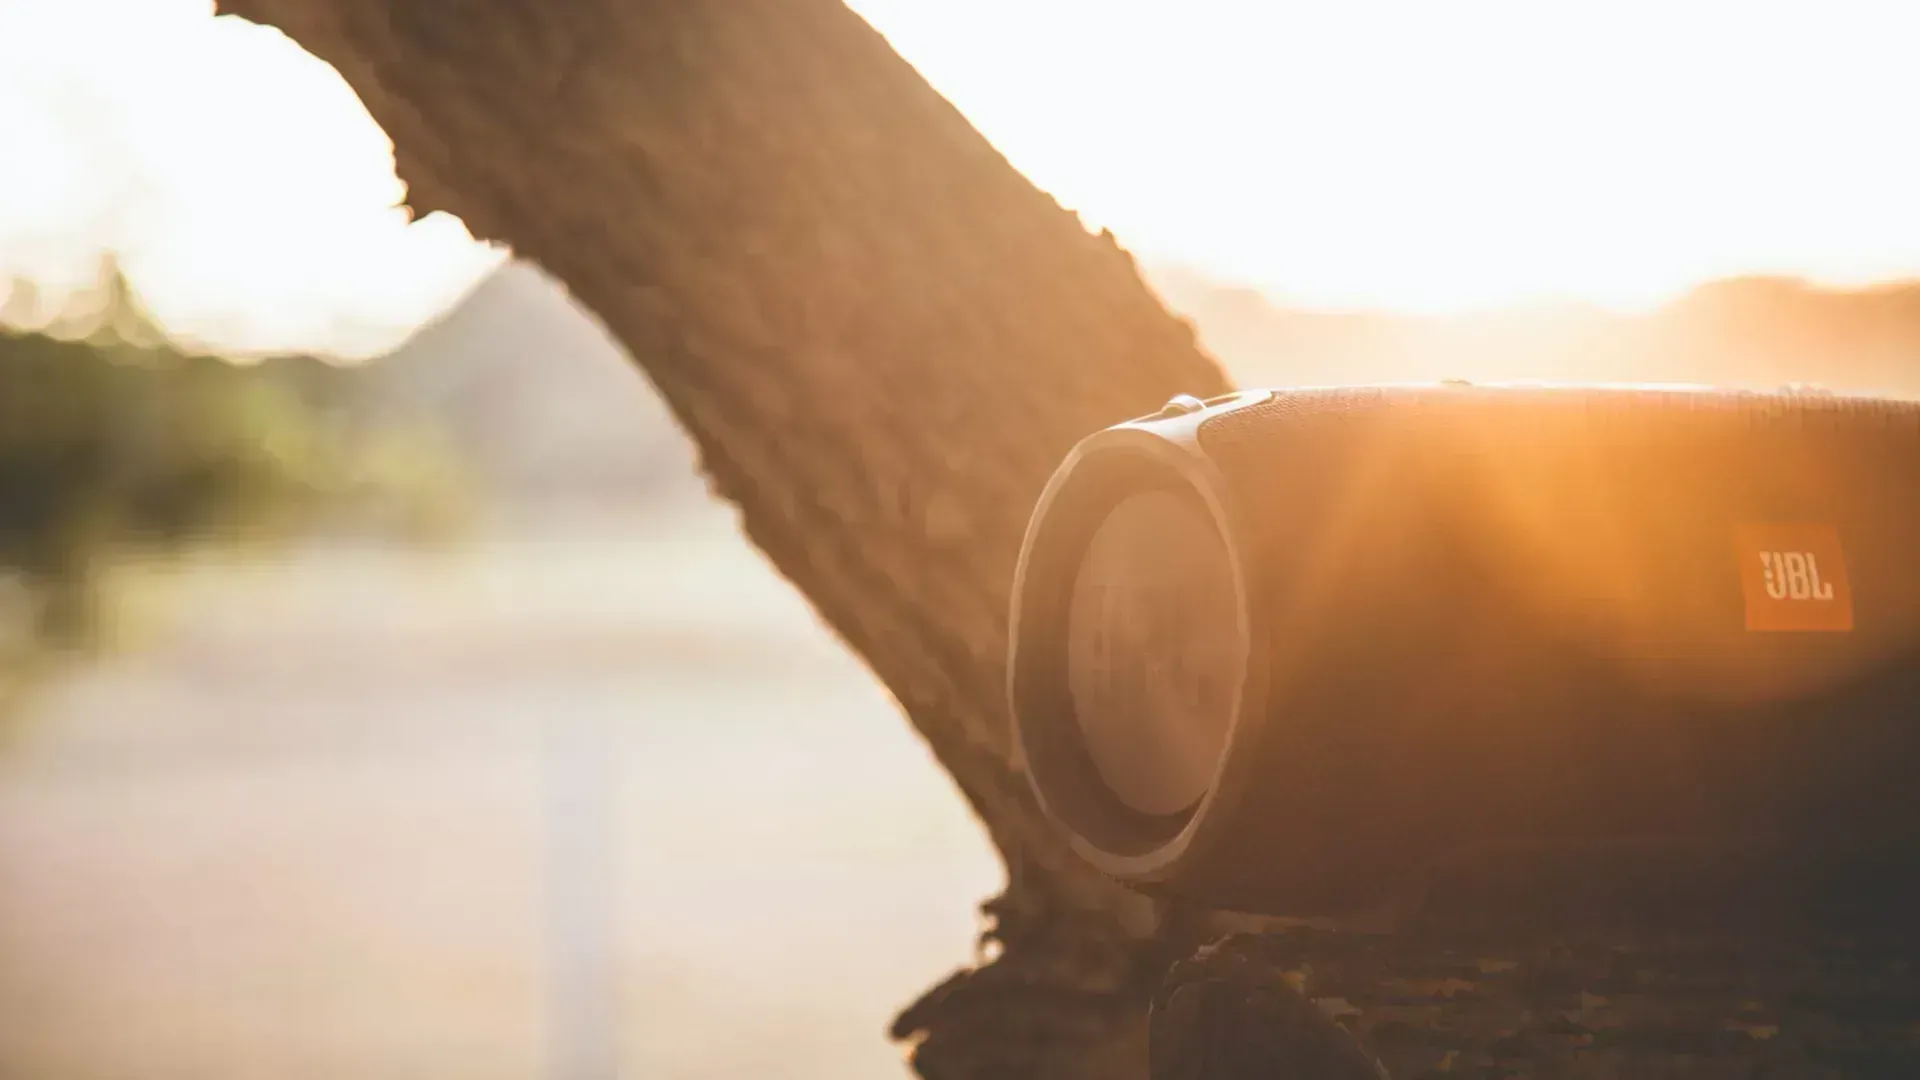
(1469, 153)
(242, 187)
(1414, 155)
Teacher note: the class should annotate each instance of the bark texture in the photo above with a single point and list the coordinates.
(1501, 1002)
(881, 337)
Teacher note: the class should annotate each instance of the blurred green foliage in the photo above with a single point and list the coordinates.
(118, 442)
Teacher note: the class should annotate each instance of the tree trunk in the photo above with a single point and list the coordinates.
(881, 337)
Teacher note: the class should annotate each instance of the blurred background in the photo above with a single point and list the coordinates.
(381, 692)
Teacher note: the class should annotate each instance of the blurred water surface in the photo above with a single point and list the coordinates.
(594, 796)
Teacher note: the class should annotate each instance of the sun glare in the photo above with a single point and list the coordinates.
(1409, 156)
(1439, 157)
(235, 180)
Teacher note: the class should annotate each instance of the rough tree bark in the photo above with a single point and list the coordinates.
(882, 339)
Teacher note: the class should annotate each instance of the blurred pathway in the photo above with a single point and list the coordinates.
(307, 827)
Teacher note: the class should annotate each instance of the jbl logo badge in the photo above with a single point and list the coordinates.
(1794, 577)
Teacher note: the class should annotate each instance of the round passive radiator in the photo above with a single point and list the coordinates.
(1318, 652)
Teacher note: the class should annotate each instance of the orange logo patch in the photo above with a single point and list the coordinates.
(1794, 577)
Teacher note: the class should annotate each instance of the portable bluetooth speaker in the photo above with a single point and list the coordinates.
(1642, 650)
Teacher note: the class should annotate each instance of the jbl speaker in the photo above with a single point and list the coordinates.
(1317, 652)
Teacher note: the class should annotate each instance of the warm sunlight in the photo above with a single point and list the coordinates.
(235, 179)
(1440, 156)
(1335, 155)
(914, 518)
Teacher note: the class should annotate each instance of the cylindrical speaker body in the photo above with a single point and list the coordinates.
(1480, 638)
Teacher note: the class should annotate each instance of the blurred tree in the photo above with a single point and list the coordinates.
(881, 337)
(116, 440)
